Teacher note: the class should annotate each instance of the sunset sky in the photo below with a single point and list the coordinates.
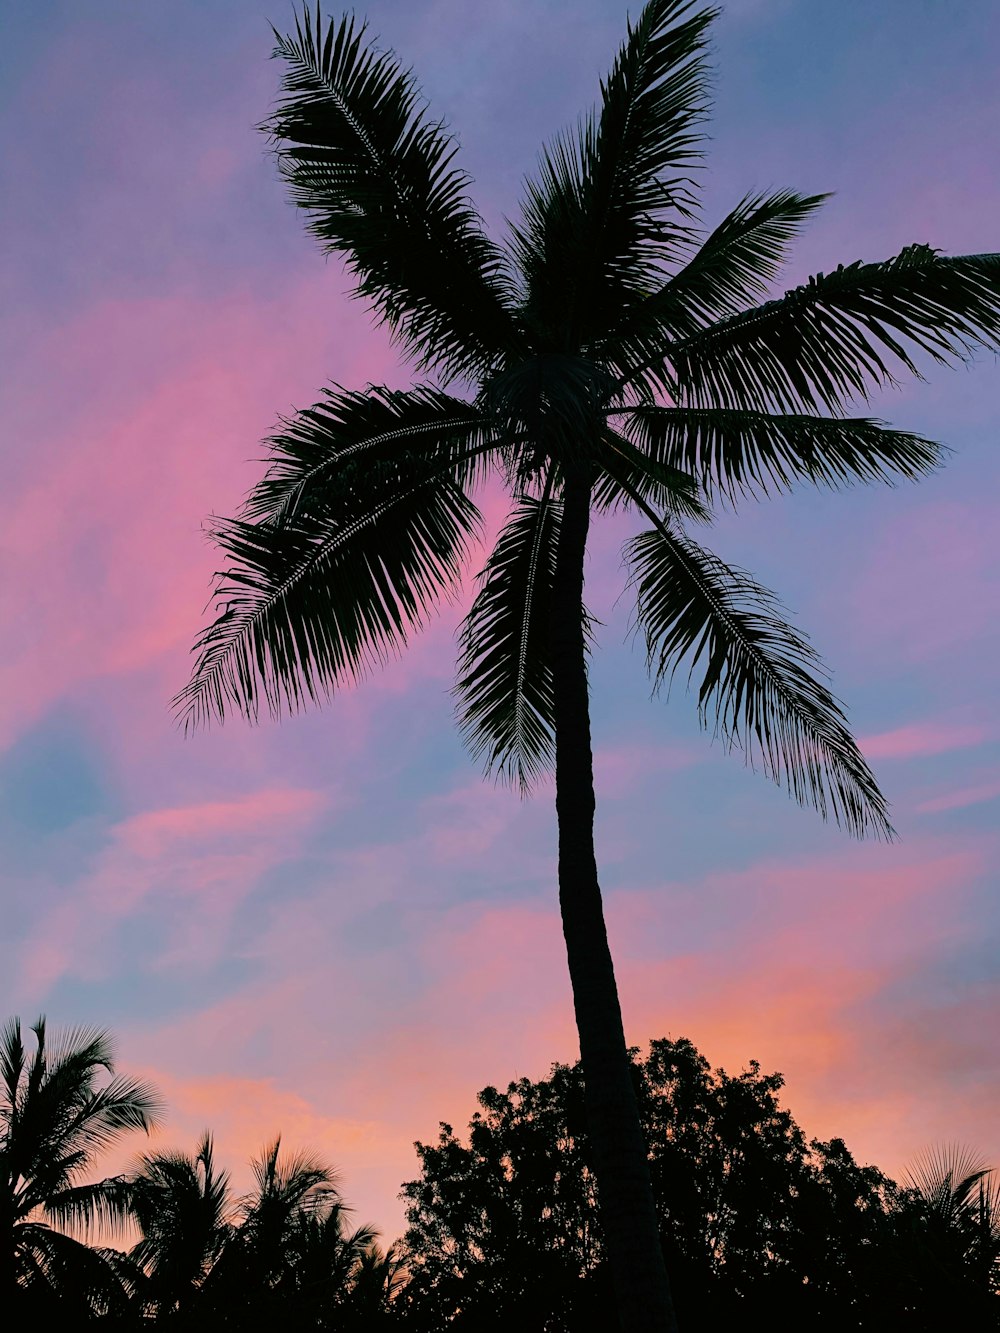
(332, 927)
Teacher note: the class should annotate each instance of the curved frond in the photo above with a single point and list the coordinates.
(733, 267)
(375, 175)
(122, 1104)
(610, 207)
(504, 686)
(86, 1281)
(733, 452)
(83, 1209)
(834, 338)
(311, 604)
(626, 471)
(309, 456)
(757, 682)
(737, 262)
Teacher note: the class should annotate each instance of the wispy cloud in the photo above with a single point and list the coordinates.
(207, 857)
(920, 739)
(961, 799)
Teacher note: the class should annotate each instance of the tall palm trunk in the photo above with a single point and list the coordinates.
(628, 1213)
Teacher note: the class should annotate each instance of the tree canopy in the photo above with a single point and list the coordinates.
(759, 1223)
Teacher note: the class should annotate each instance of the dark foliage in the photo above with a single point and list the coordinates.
(760, 1225)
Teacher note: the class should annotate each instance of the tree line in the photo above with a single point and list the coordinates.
(756, 1220)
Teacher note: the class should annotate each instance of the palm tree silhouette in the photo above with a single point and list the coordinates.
(610, 355)
(281, 1252)
(182, 1205)
(295, 1255)
(59, 1107)
(957, 1233)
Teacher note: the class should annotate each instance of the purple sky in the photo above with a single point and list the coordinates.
(333, 927)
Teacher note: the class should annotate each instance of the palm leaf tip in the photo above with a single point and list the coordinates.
(835, 337)
(759, 688)
(375, 176)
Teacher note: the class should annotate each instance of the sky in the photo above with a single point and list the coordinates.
(331, 927)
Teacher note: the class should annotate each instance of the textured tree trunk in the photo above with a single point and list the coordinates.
(628, 1213)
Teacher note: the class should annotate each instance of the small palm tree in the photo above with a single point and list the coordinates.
(377, 1278)
(960, 1215)
(612, 355)
(281, 1252)
(300, 1258)
(182, 1206)
(60, 1107)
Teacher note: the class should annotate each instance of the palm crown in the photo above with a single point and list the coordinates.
(282, 1248)
(610, 340)
(59, 1106)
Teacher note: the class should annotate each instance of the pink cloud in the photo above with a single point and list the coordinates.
(162, 403)
(800, 975)
(924, 738)
(246, 1114)
(788, 963)
(618, 769)
(494, 1003)
(960, 799)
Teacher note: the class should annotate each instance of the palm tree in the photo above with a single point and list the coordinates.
(294, 1254)
(282, 1251)
(612, 355)
(957, 1233)
(377, 1278)
(59, 1107)
(182, 1206)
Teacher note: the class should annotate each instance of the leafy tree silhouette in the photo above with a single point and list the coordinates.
(760, 1225)
(610, 355)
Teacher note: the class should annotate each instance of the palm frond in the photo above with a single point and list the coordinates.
(625, 470)
(76, 1047)
(733, 452)
(375, 176)
(82, 1277)
(610, 206)
(734, 266)
(947, 1177)
(653, 104)
(104, 1206)
(758, 686)
(347, 429)
(12, 1070)
(295, 1182)
(738, 261)
(504, 687)
(840, 334)
(181, 1204)
(310, 605)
